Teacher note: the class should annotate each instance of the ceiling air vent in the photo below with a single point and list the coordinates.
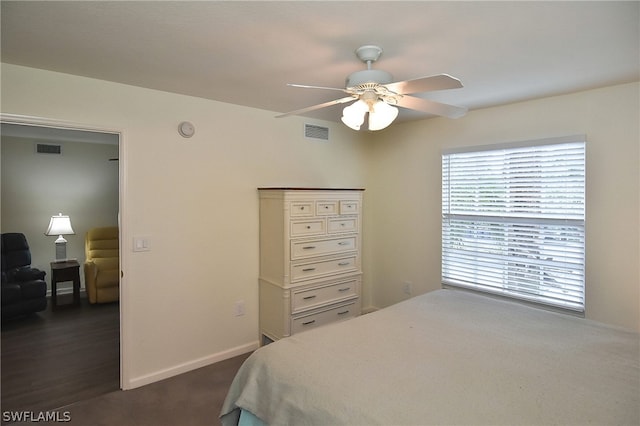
(316, 132)
(45, 148)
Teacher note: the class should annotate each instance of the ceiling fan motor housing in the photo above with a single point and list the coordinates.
(368, 54)
(368, 76)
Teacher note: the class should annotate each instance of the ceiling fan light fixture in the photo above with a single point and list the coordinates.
(353, 115)
(382, 115)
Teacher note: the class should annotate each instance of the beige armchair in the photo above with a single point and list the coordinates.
(102, 265)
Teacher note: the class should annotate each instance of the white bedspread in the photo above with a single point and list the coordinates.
(448, 358)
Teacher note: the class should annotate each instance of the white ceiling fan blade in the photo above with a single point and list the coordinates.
(304, 86)
(425, 84)
(314, 107)
(431, 107)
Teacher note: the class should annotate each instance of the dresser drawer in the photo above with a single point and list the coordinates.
(310, 298)
(349, 207)
(326, 267)
(308, 227)
(342, 224)
(304, 249)
(301, 209)
(324, 317)
(326, 207)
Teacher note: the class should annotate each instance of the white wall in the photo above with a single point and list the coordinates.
(404, 192)
(81, 182)
(197, 202)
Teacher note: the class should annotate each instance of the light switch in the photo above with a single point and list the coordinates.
(141, 244)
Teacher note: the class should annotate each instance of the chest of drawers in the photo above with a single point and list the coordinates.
(310, 258)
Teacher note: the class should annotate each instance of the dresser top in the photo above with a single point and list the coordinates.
(308, 189)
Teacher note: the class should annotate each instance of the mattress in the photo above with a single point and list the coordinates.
(446, 357)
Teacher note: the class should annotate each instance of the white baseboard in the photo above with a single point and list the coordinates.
(67, 290)
(369, 309)
(191, 365)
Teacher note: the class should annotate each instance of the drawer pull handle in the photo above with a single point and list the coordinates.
(308, 269)
(308, 247)
(308, 322)
(343, 243)
(343, 312)
(309, 297)
(343, 263)
(326, 207)
(344, 289)
(308, 226)
(343, 224)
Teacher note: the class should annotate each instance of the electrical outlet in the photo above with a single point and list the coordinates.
(239, 308)
(406, 288)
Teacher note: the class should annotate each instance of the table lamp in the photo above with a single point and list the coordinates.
(60, 225)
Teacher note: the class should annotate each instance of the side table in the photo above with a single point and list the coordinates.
(68, 270)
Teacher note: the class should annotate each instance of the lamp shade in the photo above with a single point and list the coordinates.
(353, 115)
(60, 225)
(382, 115)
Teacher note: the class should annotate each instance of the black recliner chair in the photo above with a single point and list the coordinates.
(24, 290)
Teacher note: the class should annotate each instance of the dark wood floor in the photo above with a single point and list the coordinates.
(53, 359)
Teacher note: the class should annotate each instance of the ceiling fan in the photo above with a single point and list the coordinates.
(375, 93)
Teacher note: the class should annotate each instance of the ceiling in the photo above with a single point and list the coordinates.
(245, 53)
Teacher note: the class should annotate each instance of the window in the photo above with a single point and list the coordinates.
(513, 220)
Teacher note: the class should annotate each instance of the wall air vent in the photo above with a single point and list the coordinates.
(316, 132)
(45, 148)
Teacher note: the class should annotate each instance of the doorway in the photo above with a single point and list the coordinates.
(49, 341)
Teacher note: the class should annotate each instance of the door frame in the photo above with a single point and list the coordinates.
(60, 124)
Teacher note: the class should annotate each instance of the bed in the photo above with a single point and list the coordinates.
(446, 357)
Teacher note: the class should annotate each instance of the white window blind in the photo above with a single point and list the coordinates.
(513, 221)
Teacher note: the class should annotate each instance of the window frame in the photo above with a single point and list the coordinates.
(527, 256)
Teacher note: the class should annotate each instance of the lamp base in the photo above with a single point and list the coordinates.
(61, 251)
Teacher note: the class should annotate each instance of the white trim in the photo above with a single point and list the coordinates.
(67, 289)
(27, 120)
(517, 144)
(192, 365)
(369, 309)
